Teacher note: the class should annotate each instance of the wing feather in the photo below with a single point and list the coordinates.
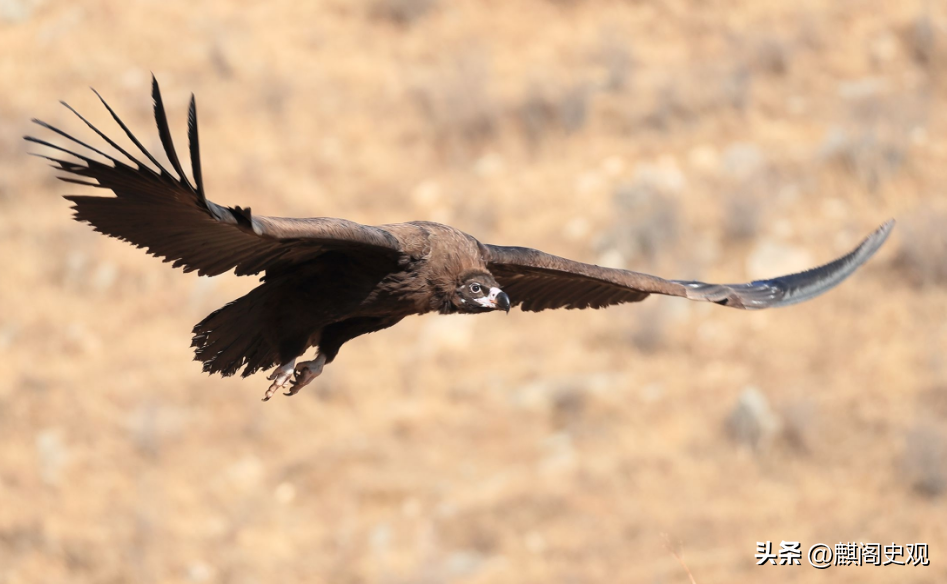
(171, 218)
(793, 288)
(195, 146)
(538, 281)
(121, 124)
(164, 132)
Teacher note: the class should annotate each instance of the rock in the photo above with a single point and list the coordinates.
(104, 277)
(490, 164)
(8, 334)
(577, 229)
(200, 571)
(664, 175)
(16, 11)
(52, 454)
(742, 160)
(862, 88)
(380, 538)
(559, 454)
(461, 564)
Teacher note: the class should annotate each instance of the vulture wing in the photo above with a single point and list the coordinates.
(538, 281)
(172, 218)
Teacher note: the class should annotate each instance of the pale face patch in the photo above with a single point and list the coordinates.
(490, 300)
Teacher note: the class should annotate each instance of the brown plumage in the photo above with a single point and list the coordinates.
(326, 281)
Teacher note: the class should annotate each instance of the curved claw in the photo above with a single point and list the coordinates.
(297, 376)
(279, 377)
(304, 373)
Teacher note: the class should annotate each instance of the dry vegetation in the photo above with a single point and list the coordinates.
(720, 140)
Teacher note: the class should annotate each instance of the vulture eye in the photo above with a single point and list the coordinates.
(475, 288)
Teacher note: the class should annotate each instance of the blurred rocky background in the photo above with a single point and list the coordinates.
(718, 140)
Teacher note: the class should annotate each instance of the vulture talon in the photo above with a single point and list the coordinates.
(280, 377)
(305, 372)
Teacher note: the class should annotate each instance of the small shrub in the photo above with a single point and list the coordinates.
(925, 460)
(922, 255)
(617, 60)
(401, 12)
(542, 112)
(458, 107)
(647, 217)
(921, 40)
(752, 421)
(742, 214)
(771, 56)
(871, 155)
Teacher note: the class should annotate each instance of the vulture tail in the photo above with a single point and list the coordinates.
(232, 337)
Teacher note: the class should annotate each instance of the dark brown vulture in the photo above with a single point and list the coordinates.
(326, 281)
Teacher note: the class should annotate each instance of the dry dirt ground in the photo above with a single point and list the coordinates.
(693, 139)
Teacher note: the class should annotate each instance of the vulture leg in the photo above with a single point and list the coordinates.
(279, 377)
(305, 372)
(330, 340)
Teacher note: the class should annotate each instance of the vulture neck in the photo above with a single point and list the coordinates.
(444, 255)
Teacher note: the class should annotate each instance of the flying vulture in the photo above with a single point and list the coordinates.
(326, 281)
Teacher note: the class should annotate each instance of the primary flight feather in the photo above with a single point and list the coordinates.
(326, 281)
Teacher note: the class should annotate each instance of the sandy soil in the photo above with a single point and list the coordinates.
(693, 139)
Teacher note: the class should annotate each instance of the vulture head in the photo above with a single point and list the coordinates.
(479, 292)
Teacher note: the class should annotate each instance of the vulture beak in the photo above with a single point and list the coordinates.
(495, 300)
(503, 302)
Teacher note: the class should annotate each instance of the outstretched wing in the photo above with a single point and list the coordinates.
(538, 281)
(172, 218)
